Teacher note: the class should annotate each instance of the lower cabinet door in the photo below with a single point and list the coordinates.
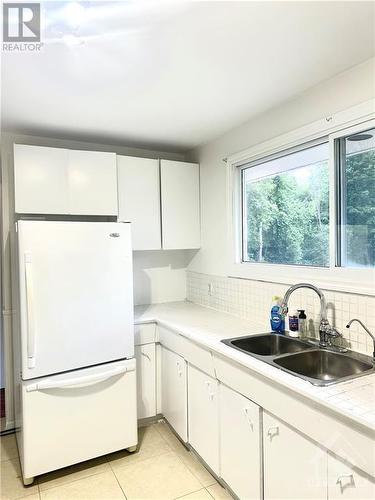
(294, 466)
(345, 482)
(174, 391)
(146, 380)
(203, 416)
(240, 444)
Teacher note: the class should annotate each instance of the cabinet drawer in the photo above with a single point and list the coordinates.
(191, 352)
(145, 333)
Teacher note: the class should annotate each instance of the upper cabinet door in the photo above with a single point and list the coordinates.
(40, 180)
(92, 183)
(180, 204)
(139, 200)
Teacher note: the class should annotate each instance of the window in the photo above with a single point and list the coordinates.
(285, 206)
(287, 217)
(355, 156)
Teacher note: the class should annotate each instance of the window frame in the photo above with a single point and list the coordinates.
(281, 154)
(352, 280)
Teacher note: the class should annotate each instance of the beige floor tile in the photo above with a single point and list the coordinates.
(218, 492)
(195, 466)
(169, 436)
(35, 496)
(163, 477)
(8, 447)
(150, 444)
(99, 487)
(11, 482)
(69, 474)
(197, 495)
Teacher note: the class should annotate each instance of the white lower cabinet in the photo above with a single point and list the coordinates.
(345, 482)
(174, 391)
(294, 466)
(203, 416)
(146, 380)
(240, 452)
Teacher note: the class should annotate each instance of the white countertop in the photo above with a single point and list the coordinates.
(354, 399)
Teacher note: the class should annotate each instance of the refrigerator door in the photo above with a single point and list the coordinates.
(76, 295)
(76, 416)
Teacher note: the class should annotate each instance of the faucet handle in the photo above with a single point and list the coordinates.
(333, 332)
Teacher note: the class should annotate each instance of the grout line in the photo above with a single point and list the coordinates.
(118, 482)
(187, 494)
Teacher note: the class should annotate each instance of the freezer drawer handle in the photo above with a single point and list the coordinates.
(30, 311)
(77, 381)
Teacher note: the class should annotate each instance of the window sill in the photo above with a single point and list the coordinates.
(358, 281)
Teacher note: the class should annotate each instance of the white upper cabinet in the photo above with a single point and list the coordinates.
(180, 204)
(40, 179)
(92, 183)
(62, 181)
(139, 200)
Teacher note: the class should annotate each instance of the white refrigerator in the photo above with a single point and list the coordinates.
(74, 343)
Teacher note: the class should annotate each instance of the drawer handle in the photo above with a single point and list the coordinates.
(146, 356)
(210, 393)
(247, 415)
(273, 431)
(77, 382)
(341, 481)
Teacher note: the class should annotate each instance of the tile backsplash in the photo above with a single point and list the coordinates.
(252, 299)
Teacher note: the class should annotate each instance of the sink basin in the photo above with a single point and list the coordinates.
(269, 344)
(323, 365)
(303, 359)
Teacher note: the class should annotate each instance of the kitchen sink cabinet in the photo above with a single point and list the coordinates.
(146, 380)
(203, 416)
(348, 483)
(294, 466)
(174, 391)
(240, 446)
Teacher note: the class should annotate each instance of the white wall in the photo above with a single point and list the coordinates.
(343, 91)
(160, 275)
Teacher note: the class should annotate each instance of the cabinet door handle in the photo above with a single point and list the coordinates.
(350, 482)
(179, 371)
(246, 412)
(210, 393)
(273, 431)
(146, 356)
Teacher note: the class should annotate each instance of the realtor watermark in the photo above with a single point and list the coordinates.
(21, 27)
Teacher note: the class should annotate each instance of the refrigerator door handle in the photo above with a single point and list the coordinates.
(30, 311)
(77, 382)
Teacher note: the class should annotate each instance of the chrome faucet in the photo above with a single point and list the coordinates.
(326, 331)
(366, 330)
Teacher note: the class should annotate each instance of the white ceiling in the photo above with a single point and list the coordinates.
(175, 74)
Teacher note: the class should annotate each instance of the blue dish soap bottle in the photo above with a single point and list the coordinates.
(277, 318)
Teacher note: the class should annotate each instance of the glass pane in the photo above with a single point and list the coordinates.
(286, 211)
(358, 200)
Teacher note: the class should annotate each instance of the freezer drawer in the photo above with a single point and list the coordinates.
(77, 416)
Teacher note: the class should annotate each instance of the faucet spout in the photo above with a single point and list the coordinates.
(366, 330)
(323, 304)
(326, 331)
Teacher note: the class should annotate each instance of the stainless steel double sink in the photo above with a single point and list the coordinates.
(303, 359)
